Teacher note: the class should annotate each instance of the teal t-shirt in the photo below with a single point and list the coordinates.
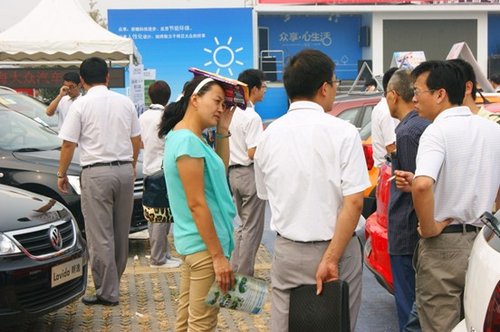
(187, 239)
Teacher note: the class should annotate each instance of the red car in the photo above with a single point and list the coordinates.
(376, 247)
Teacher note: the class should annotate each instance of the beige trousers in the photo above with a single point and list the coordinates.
(440, 265)
(197, 275)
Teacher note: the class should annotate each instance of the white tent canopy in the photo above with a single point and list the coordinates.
(61, 33)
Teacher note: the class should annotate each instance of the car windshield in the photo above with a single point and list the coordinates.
(20, 133)
(28, 106)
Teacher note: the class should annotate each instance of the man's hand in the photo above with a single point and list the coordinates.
(437, 228)
(63, 91)
(327, 271)
(403, 180)
(62, 184)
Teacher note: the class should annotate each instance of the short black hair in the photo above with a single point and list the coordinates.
(252, 77)
(306, 72)
(71, 76)
(443, 75)
(94, 70)
(371, 81)
(159, 92)
(468, 72)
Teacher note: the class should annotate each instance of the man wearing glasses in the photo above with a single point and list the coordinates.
(68, 93)
(456, 180)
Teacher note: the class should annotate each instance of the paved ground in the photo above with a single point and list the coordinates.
(147, 303)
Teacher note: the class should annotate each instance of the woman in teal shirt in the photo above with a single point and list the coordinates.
(199, 196)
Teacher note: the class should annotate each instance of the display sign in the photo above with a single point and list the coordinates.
(16, 78)
(407, 60)
(462, 51)
(136, 92)
(218, 40)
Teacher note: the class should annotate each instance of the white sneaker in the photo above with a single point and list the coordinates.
(175, 259)
(169, 264)
(148, 256)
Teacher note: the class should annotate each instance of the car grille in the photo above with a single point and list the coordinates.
(37, 243)
(39, 296)
(138, 187)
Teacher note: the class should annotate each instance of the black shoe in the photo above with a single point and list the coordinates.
(92, 299)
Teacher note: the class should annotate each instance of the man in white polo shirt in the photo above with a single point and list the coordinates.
(68, 93)
(105, 126)
(311, 168)
(457, 179)
(246, 127)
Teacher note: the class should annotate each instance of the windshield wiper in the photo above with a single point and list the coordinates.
(27, 150)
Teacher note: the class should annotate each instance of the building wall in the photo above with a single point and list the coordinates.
(435, 35)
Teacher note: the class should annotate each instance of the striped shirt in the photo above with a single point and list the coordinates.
(402, 229)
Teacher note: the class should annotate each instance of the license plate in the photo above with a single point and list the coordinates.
(66, 272)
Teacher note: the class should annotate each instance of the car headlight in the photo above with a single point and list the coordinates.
(7, 247)
(74, 181)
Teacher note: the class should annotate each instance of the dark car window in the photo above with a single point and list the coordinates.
(366, 123)
(18, 132)
(28, 106)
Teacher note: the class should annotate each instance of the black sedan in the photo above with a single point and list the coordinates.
(29, 158)
(43, 256)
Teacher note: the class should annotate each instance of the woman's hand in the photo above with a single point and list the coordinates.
(225, 119)
(223, 274)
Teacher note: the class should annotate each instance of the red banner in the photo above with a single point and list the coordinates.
(347, 2)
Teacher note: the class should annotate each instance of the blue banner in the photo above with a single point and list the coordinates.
(335, 35)
(172, 40)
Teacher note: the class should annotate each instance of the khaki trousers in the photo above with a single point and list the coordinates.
(197, 275)
(440, 265)
(295, 264)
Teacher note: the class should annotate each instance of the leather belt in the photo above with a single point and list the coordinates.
(110, 163)
(238, 166)
(460, 229)
(318, 241)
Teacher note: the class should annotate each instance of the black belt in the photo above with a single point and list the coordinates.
(460, 228)
(110, 163)
(318, 241)
(238, 166)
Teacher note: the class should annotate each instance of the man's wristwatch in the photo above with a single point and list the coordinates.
(61, 175)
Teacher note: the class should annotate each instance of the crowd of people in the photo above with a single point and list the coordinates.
(309, 167)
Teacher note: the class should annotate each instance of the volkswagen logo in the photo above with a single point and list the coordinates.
(55, 238)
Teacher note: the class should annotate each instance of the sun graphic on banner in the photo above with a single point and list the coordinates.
(223, 56)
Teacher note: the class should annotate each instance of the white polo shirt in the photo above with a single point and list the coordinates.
(102, 123)
(383, 131)
(153, 145)
(62, 108)
(246, 128)
(461, 152)
(305, 163)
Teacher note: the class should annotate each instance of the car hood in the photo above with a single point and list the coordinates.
(49, 158)
(22, 209)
